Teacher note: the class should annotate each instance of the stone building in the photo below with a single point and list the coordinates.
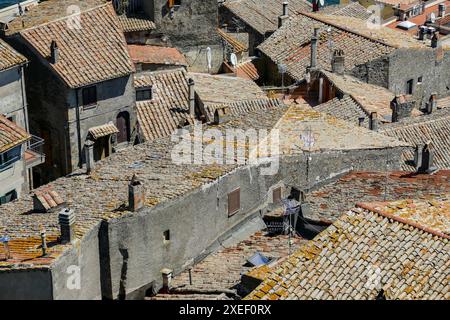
(19, 151)
(387, 58)
(188, 25)
(131, 232)
(80, 84)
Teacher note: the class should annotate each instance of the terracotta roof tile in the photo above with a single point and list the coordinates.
(134, 23)
(96, 52)
(9, 57)
(11, 135)
(365, 251)
(237, 45)
(247, 70)
(262, 15)
(103, 130)
(169, 106)
(156, 55)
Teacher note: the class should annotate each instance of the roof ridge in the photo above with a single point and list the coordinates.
(326, 21)
(368, 207)
(415, 122)
(65, 17)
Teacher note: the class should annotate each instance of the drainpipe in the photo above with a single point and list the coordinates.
(25, 115)
(80, 159)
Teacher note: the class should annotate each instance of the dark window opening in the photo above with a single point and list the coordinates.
(166, 236)
(89, 96)
(10, 196)
(144, 94)
(419, 80)
(173, 3)
(234, 202)
(8, 158)
(410, 86)
(295, 194)
(276, 195)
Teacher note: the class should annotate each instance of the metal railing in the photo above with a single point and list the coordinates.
(36, 146)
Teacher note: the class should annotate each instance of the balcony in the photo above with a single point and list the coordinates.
(34, 152)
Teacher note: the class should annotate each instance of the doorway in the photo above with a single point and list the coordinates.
(123, 125)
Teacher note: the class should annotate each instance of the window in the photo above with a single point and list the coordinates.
(166, 236)
(410, 86)
(144, 94)
(234, 202)
(10, 196)
(419, 80)
(8, 158)
(89, 96)
(276, 195)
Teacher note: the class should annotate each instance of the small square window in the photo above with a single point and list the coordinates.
(144, 94)
(419, 80)
(89, 96)
(234, 202)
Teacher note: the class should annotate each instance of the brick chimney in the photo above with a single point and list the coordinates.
(67, 219)
(191, 85)
(136, 194)
(337, 62)
(314, 41)
(373, 121)
(54, 52)
(89, 156)
(401, 107)
(285, 15)
(442, 8)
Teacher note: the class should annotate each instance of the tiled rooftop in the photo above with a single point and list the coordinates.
(104, 193)
(329, 133)
(223, 269)
(11, 135)
(420, 130)
(290, 45)
(156, 55)
(135, 23)
(235, 43)
(247, 70)
(352, 9)
(371, 98)
(169, 106)
(9, 57)
(345, 109)
(367, 250)
(262, 15)
(331, 200)
(48, 11)
(94, 53)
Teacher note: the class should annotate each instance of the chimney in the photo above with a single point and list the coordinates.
(418, 157)
(66, 220)
(337, 62)
(373, 121)
(432, 103)
(221, 115)
(422, 32)
(54, 52)
(285, 14)
(314, 40)
(89, 156)
(435, 40)
(361, 121)
(191, 90)
(167, 279)
(441, 10)
(401, 107)
(426, 165)
(136, 194)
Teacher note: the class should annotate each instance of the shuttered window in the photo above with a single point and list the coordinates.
(276, 195)
(234, 202)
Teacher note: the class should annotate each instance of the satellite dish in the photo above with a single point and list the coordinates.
(209, 57)
(233, 59)
(432, 17)
(321, 2)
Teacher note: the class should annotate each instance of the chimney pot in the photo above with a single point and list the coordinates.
(401, 107)
(432, 104)
(435, 40)
(337, 62)
(314, 40)
(136, 194)
(54, 52)
(167, 278)
(442, 10)
(427, 158)
(89, 155)
(67, 219)
(43, 242)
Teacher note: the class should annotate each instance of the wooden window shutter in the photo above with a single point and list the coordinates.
(234, 202)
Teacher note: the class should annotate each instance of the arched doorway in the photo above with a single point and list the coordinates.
(123, 125)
